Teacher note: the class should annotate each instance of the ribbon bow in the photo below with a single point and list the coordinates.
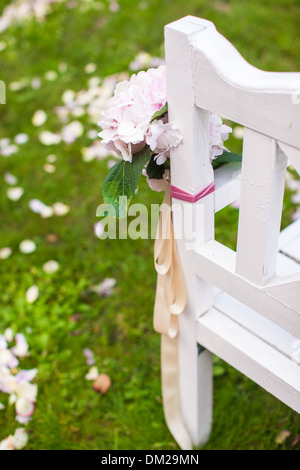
(170, 301)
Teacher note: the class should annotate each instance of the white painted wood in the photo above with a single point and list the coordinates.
(227, 185)
(292, 153)
(256, 324)
(262, 190)
(289, 234)
(250, 355)
(191, 171)
(215, 263)
(286, 266)
(292, 250)
(241, 306)
(226, 84)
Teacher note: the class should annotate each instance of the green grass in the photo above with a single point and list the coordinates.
(69, 414)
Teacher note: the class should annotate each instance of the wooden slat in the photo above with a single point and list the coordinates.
(250, 355)
(215, 263)
(292, 153)
(191, 171)
(289, 234)
(262, 190)
(256, 324)
(227, 185)
(225, 83)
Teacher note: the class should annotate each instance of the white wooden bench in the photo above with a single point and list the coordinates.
(243, 306)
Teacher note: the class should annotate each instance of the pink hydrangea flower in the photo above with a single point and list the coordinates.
(127, 120)
(218, 132)
(127, 125)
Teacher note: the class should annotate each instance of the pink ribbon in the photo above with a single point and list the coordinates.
(178, 193)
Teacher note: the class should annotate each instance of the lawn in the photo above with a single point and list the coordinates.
(76, 47)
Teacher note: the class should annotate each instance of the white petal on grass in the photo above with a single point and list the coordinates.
(36, 83)
(92, 373)
(27, 246)
(32, 294)
(21, 138)
(89, 356)
(51, 267)
(105, 288)
(10, 179)
(3, 342)
(26, 376)
(51, 158)
(7, 444)
(90, 68)
(21, 348)
(5, 252)
(8, 359)
(39, 118)
(49, 168)
(94, 82)
(238, 132)
(23, 420)
(92, 134)
(20, 438)
(99, 229)
(114, 6)
(72, 131)
(18, 85)
(39, 207)
(9, 335)
(68, 96)
(24, 407)
(9, 150)
(63, 67)
(60, 209)
(14, 194)
(5, 142)
(2, 407)
(49, 138)
(51, 75)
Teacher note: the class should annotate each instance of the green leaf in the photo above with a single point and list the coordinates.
(155, 171)
(226, 157)
(122, 181)
(160, 112)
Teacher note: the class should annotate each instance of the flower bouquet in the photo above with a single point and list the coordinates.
(135, 127)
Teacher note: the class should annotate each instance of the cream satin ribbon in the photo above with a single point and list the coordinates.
(170, 301)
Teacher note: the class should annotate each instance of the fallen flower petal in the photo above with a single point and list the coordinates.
(89, 355)
(27, 246)
(102, 384)
(60, 209)
(21, 348)
(9, 335)
(7, 444)
(92, 374)
(14, 194)
(24, 408)
(51, 267)
(32, 294)
(21, 138)
(48, 138)
(5, 252)
(10, 179)
(20, 438)
(39, 118)
(26, 375)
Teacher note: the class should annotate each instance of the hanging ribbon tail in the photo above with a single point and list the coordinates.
(170, 301)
